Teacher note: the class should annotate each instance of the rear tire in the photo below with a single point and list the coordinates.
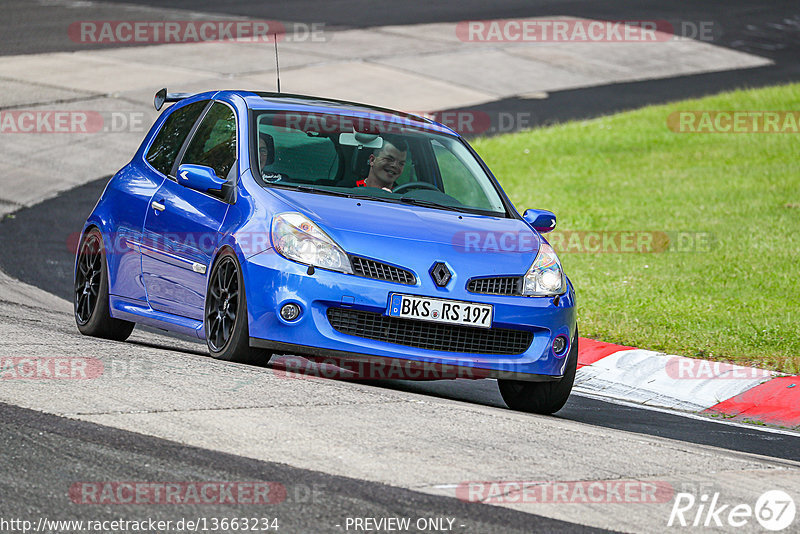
(541, 397)
(225, 316)
(90, 296)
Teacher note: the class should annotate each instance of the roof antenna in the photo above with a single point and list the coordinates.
(277, 67)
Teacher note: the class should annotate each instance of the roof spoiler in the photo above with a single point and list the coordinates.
(163, 96)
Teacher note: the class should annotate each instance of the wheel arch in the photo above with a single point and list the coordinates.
(87, 227)
(228, 245)
(222, 249)
(103, 224)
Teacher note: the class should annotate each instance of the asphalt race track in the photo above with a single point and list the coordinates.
(54, 448)
(342, 450)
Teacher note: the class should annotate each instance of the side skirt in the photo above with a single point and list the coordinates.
(141, 313)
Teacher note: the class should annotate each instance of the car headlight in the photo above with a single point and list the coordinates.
(296, 238)
(545, 278)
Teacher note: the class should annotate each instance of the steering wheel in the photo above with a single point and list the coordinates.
(414, 185)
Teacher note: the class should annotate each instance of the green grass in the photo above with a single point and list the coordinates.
(738, 301)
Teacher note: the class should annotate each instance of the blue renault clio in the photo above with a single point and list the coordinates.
(285, 224)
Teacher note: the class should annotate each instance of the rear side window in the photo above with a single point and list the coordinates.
(173, 133)
(214, 142)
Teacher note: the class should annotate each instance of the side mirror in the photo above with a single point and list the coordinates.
(200, 178)
(543, 221)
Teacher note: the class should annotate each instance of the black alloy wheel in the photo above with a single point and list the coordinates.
(87, 278)
(90, 302)
(223, 303)
(227, 332)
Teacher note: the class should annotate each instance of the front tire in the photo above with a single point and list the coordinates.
(90, 302)
(225, 317)
(542, 397)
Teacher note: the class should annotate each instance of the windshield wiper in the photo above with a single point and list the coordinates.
(460, 209)
(408, 200)
(311, 189)
(428, 204)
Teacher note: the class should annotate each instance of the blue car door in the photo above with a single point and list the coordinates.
(181, 227)
(131, 193)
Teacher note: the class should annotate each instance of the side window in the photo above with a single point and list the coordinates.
(173, 133)
(214, 142)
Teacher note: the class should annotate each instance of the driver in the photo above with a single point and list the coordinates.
(386, 164)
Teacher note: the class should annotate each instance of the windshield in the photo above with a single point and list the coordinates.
(386, 159)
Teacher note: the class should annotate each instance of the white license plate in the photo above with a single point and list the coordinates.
(441, 310)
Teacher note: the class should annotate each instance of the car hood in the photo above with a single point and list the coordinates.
(400, 233)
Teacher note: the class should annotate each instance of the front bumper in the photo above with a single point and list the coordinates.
(271, 281)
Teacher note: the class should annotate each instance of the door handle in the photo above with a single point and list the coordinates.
(158, 206)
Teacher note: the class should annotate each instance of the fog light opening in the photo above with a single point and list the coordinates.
(290, 312)
(560, 345)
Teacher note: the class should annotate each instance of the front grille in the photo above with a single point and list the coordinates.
(427, 335)
(498, 285)
(381, 271)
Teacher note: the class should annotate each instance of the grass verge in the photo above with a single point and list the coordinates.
(726, 288)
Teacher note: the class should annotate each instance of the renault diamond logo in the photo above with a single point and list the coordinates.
(440, 274)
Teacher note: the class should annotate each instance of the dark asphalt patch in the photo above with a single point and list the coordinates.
(36, 243)
(591, 102)
(607, 414)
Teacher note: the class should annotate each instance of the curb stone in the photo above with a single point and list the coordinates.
(688, 384)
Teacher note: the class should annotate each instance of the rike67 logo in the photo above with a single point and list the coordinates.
(774, 510)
